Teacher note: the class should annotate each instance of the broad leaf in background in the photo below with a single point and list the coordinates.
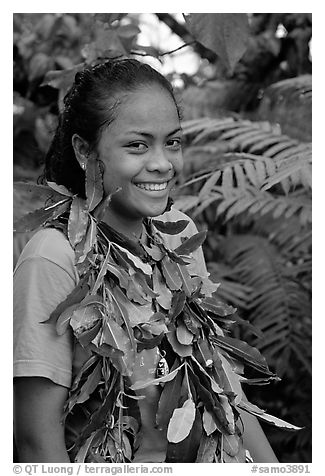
(224, 33)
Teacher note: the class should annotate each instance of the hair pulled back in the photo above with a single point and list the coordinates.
(89, 106)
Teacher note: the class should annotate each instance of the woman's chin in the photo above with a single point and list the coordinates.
(157, 209)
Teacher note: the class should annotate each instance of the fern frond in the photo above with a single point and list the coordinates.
(280, 307)
(230, 290)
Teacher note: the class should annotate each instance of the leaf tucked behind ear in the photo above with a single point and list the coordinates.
(94, 184)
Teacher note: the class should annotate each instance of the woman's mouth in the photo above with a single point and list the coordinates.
(152, 187)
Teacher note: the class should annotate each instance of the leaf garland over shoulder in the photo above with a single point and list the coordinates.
(133, 296)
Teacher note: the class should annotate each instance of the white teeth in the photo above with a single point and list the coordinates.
(154, 187)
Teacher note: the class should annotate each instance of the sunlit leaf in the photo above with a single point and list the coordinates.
(209, 424)
(181, 422)
(184, 336)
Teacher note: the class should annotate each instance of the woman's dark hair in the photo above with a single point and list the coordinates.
(89, 105)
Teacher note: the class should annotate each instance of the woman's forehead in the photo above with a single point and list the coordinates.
(147, 109)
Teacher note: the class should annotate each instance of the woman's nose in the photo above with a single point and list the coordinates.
(159, 161)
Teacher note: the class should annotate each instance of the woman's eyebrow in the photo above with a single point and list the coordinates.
(149, 135)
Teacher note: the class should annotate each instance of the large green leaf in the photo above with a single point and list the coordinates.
(224, 33)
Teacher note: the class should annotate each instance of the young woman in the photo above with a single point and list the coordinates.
(91, 376)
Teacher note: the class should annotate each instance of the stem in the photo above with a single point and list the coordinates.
(187, 381)
(120, 413)
(221, 449)
(177, 49)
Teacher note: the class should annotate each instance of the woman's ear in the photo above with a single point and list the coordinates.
(81, 149)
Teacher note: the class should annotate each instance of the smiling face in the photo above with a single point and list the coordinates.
(141, 153)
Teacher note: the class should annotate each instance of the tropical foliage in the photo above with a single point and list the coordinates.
(247, 175)
(251, 186)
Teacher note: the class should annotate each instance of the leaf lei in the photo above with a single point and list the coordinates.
(133, 296)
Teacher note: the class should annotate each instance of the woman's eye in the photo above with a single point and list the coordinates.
(174, 144)
(137, 146)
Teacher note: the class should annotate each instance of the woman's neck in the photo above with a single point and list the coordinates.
(131, 228)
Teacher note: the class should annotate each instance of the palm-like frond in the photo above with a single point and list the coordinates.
(232, 163)
(279, 305)
(241, 183)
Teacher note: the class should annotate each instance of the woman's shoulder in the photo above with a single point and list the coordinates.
(50, 244)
